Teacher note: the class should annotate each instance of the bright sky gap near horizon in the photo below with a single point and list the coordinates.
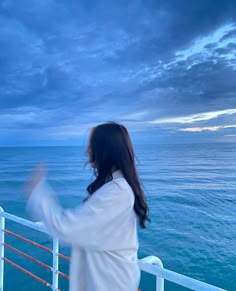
(166, 69)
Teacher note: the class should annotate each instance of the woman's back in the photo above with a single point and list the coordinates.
(110, 263)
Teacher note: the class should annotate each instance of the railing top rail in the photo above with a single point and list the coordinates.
(177, 278)
(35, 225)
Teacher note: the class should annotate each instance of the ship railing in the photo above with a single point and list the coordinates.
(150, 264)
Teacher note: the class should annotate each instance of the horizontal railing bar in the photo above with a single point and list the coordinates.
(179, 279)
(37, 226)
(63, 275)
(63, 257)
(27, 240)
(28, 257)
(27, 272)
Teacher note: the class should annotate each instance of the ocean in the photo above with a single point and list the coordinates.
(190, 189)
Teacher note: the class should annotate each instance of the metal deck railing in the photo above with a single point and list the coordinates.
(151, 264)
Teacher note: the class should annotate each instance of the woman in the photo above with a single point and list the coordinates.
(102, 232)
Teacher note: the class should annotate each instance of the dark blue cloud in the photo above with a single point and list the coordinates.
(67, 65)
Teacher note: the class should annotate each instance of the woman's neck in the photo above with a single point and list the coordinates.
(114, 169)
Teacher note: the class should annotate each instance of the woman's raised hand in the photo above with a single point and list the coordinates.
(38, 173)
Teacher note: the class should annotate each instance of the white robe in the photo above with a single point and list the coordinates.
(102, 233)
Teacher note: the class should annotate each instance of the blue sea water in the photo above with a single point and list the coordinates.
(190, 190)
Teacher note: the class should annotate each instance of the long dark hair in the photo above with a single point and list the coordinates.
(110, 149)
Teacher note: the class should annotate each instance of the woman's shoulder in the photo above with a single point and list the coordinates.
(118, 184)
(118, 187)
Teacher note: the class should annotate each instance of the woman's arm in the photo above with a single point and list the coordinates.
(67, 225)
(87, 225)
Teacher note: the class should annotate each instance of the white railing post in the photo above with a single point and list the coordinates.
(55, 264)
(2, 238)
(155, 261)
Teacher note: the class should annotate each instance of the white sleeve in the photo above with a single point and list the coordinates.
(85, 225)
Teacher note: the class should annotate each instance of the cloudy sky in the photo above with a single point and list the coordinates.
(164, 68)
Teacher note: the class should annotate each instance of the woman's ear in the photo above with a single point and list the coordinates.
(91, 158)
(92, 161)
